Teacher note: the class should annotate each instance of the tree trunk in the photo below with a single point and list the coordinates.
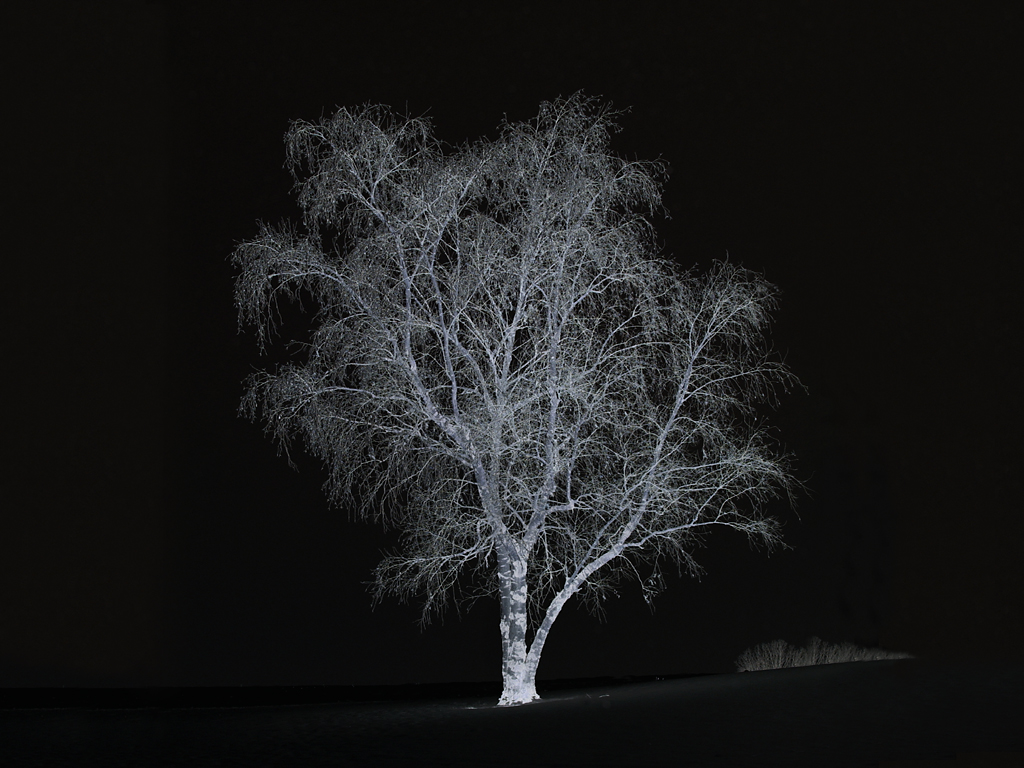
(518, 674)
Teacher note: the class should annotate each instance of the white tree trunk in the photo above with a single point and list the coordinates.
(519, 673)
(519, 666)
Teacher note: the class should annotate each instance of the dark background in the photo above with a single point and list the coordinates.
(865, 157)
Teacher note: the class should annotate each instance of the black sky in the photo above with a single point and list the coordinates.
(865, 157)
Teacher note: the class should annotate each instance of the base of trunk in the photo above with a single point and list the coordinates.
(518, 692)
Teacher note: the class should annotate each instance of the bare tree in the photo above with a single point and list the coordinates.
(503, 369)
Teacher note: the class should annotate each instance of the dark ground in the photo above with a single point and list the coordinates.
(885, 713)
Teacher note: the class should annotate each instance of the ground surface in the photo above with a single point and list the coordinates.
(859, 714)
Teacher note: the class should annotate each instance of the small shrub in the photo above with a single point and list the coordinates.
(778, 654)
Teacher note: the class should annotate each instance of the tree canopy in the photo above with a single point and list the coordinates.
(503, 367)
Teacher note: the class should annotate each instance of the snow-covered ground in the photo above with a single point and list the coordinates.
(854, 714)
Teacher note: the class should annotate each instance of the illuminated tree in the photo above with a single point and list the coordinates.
(503, 369)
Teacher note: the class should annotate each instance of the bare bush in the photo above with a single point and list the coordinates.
(778, 654)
